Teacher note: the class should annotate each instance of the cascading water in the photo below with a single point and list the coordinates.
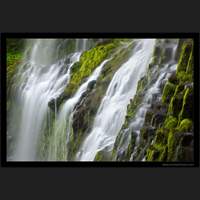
(62, 128)
(43, 79)
(112, 111)
(159, 76)
(81, 44)
(96, 123)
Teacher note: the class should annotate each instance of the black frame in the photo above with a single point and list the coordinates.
(3, 119)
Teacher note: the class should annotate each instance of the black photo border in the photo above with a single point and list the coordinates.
(3, 119)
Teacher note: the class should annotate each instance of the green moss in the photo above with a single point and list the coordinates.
(185, 66)
(89, 60)
(98, 156)
(185, 125)
(158, 150)
(163, 154)
(102, 155)
(168, 92)
(178, 92)
(184, 76)
(13, 59)
(187, 105)
(150, 155)
(170, 122)
(136, 101)
(189, 69)
(172, 144)
(156, 153)
(184, 57)
(142, 83)
(14, 48)
(176, 101)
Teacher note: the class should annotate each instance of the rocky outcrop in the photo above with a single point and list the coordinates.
(176, 131)
(167, 132)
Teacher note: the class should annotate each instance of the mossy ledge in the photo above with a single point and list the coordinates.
(88, 62)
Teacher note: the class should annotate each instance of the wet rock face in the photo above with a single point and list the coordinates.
(166, 134)
(147, 132)
(87, 107)
(177, 128)
(158, 119)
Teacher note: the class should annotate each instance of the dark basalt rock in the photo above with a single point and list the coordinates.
(91, 85)
(173, 79)
(147, 132)
(158, 119)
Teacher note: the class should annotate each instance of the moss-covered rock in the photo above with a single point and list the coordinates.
(13, 59)
(170, 122)
(168, 92)
(184, 76)
(173, 138)
(185, 125)
(102, 156)
(187, 105)
(175, 104)
(171, 144)
(184, 57)
(89, 60)
(86, 108)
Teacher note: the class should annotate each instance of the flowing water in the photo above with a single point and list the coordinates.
(112, 111)
(59, 141)
(44, 75)
(43, 79)
(159, 76)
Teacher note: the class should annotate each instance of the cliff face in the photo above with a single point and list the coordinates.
(167, 131)
(173, 140)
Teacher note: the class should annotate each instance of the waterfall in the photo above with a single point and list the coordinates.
(62, 128)
(112, 110)
(42, 78)
(81, 44)
(159, 76)
(116, 120)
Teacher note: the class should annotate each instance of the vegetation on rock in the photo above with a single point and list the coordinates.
(167, 121)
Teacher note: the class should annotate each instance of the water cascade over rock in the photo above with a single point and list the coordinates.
(100, 100)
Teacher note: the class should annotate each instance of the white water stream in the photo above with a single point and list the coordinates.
(43, 76)
(112, 111)
(43, 80)
(62, 128)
